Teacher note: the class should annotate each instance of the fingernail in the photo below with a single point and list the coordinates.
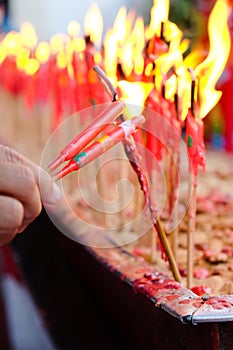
(56, 192)
(54, 196)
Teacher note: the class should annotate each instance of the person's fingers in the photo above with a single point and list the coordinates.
(18, 181)
(11, 218)
(49, 190)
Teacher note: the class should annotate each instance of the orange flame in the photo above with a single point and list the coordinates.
(209, 71)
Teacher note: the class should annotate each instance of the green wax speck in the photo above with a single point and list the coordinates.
(190, 141)
(78, 158)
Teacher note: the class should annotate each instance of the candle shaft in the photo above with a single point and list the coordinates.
(120, 133)
(88, 134)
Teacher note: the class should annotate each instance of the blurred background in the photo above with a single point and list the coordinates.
(52, 17)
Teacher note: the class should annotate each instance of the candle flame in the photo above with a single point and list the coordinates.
(118, 45)
(79, 44)
(73, 29)
(194, 58)
(62, 60)
(42, 52)
(12, 43)
(93, 25)
(164, 63)
(134, 94)
(110, 55)
(31, 66)
(209, 71)
(22, 58)
(138, 46)
(3, 54)
(120, 26)
(57, 43)
(173, 35)
(159, 14)
(28, 35)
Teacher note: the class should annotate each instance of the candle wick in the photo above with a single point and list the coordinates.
(193, 86)
(162, 31)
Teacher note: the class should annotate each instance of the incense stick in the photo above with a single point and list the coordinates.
(134, 159)
(190, 236)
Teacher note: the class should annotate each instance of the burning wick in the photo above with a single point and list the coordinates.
(193, 86)
(104, 143)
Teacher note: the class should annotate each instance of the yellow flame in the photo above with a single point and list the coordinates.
(110, 54)
(97, 58)
(149, 69)
(61, 60)
(183, 91)
(173, 35)
(3, 53)
(159, 13)
(93, 24)
(31, 66)
(184, 45)
(79, 44)
(164, 63)
(171, 87)
(120, 24)
(121, 43)
(22, 58)
(138, 46)
(179, 84)
(12, 43)
(57, 43)
(73, 29)
(116, 46)
(28, 35)
(126, 58)
(43, 52)
(209, 71)
(134, 94)
(194, 58)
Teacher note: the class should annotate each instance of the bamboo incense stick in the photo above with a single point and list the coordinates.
(152, 233)
(190, 236)
(134, 159)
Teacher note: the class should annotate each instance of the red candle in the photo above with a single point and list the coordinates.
(195, 142)
(118, 134)
(89, 133)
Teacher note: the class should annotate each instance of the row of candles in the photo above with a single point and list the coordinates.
(147, 66)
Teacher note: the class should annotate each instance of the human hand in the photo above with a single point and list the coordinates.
(24, 186)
